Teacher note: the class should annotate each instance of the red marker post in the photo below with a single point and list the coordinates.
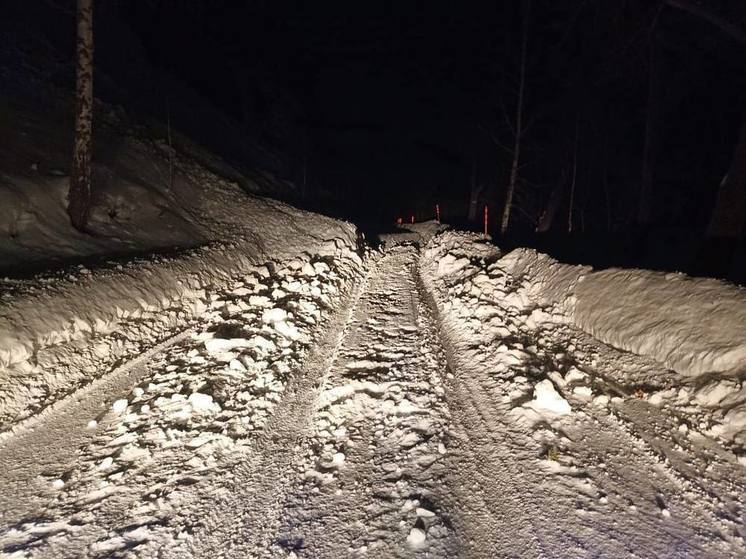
(437, 213)
(486, 215)
(412, 218)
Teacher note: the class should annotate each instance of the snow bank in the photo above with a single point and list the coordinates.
(534, 323)
(63, 329)
(691, 325)
(544, 280)
(489, 325)
(57, 332)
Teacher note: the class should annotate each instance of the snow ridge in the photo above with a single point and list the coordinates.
(58, 333)
(549, 422)
(180, 417)
(693, 325)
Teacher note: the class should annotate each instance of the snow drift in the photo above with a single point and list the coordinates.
(668, 339)
(61, 330)
(692, 325)
(156, 193)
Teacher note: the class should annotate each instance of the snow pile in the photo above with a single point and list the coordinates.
(538, 325)
(692, 325)
(196, 406)
(62, 330)
(489, 322)
(543, 280)
(237, 365)
(547, 398)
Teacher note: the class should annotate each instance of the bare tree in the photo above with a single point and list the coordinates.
(650, 149)
(519, 126)
(79, 196)
(474, 191)
(574, 175)
(605, 182)
(547, 215)
(728, 219)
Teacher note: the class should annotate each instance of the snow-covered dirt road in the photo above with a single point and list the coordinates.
(423, 407)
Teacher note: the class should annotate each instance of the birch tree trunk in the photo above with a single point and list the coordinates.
(518, 122)
(79, 196)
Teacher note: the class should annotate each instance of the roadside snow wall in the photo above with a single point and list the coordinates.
(58, 332)
(692, 325)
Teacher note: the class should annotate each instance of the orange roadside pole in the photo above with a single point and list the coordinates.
(437, 213)
(486, 215)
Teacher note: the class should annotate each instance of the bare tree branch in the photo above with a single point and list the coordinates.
(706, 12)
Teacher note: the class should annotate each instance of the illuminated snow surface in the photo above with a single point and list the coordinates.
(432, 401)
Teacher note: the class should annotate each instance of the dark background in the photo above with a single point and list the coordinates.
(378, 110)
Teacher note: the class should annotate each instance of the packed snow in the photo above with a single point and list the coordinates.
(433, 398)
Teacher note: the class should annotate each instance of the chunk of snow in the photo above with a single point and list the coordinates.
(260, 301)
(308, 270)
(273, 315)
(416, 537)
(287, 329)
(547, 398)
(236, 365)
(222, 345)
(424, 513)
(202, 403)
(119, 406)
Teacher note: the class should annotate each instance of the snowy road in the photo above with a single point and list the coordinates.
(393, 418)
